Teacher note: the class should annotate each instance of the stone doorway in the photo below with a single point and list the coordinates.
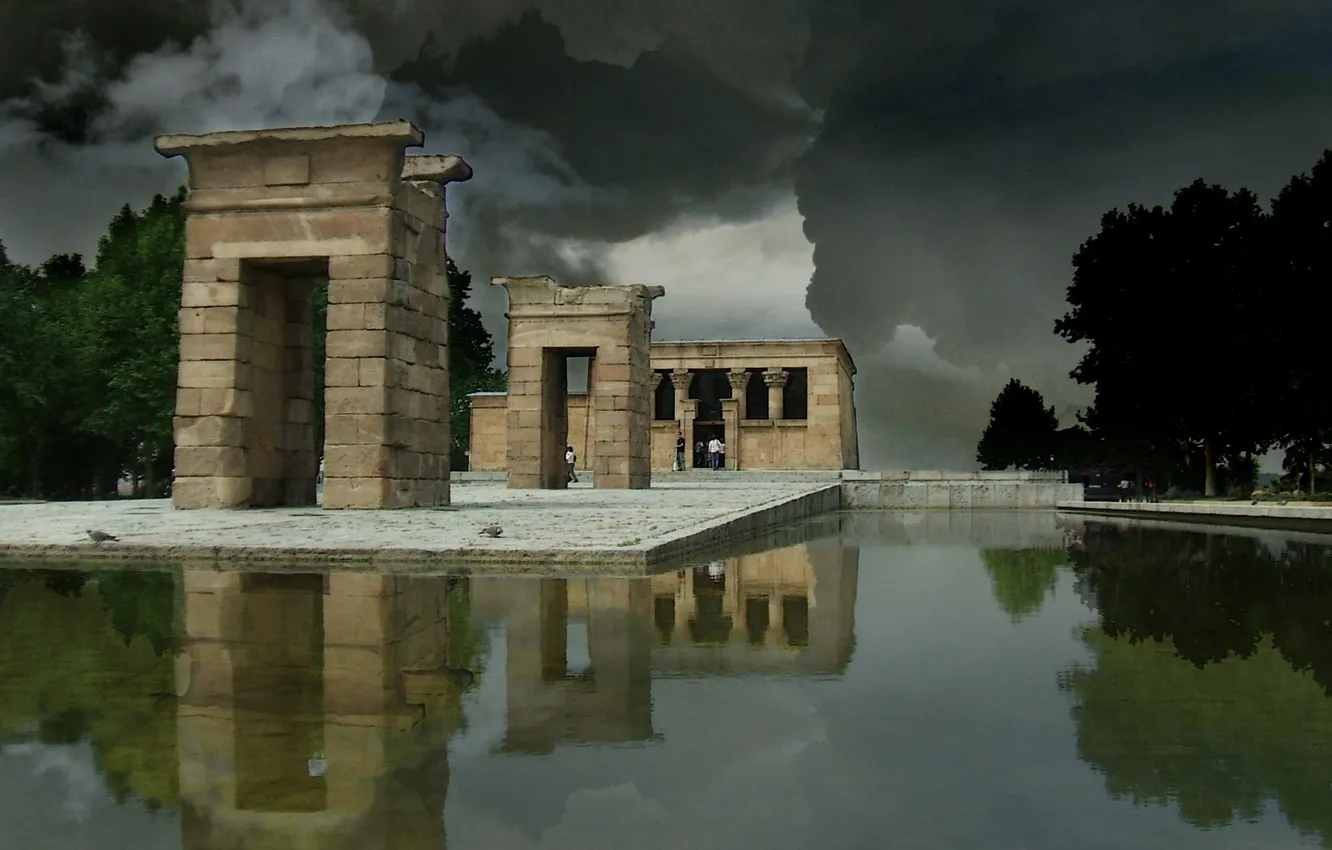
(703, 432)
(548, 325)
(269, 211)
(281, 447)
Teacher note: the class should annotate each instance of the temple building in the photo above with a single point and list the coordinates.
(775, 404)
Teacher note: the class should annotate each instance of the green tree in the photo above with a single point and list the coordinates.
(129, 307)
(43, 384)
(1022, 431)
(1021, 579)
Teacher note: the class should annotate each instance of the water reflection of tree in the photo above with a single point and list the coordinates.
(1211, 595)
(1022, 578)
(1210, 677)
(83, 660)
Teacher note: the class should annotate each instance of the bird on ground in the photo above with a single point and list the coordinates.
(492, 531)
(101, 536)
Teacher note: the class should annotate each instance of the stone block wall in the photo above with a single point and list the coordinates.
(938, 489)
(827, 439)
(387, 398)
(270, 212)
(548, 324)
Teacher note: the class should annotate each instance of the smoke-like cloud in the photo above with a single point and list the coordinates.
(946, 160)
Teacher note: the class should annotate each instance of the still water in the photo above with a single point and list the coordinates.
(899, 682)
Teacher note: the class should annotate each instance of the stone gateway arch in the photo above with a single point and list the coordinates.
(269, 213)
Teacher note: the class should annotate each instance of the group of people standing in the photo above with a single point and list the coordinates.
(712, 453)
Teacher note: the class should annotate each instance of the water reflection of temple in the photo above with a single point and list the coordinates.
(315, 714)
(581, 653)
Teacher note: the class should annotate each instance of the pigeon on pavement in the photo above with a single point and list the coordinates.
(101, 536)
(492, 531)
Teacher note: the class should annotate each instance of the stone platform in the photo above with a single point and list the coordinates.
(574, 531)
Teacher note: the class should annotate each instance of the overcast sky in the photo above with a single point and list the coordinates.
(912, 177)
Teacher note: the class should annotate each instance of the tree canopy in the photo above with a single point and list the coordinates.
(1199, 326)
(1021, 432)
(88, 360)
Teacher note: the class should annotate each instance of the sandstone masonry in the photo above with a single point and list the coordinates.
(612, 326)
(270, 212)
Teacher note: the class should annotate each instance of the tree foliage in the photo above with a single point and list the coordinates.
(1200, 325)
(1022, 431)
(88, 360)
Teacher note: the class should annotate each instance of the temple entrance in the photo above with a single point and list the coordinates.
(703, 432)
(549, 324)
(281, 450)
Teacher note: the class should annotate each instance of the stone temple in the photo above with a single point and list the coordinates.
(269, 213)
(776, 404)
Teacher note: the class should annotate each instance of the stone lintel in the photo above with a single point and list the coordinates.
(537, 291)
(436, 168)
(403, 132)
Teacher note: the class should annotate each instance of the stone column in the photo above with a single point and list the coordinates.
(776, 380)
(739, 379)
(681, 379)
(731, 422)
(655, 383)
(739, 412)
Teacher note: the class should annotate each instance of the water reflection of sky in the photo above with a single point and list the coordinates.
(54, 797)
(947, 729)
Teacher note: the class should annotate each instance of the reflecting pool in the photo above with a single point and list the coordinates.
(895, 681)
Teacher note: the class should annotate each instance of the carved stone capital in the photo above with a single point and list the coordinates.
(682, 378)
(739, 379)
(656, 380)
(776, 377)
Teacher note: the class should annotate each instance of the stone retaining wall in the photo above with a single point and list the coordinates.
(898, 490)
(925, 489)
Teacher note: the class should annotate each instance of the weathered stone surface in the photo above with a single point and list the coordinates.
(547, 324)
(755, 439)
(269, 212)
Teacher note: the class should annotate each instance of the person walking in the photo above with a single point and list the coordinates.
(714, 452)
(570, 459)
(679, 463)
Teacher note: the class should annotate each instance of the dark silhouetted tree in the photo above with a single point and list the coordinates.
(1192, 271)
(1022, 431)
(1302, 283)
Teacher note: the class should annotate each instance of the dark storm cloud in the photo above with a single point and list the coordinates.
(948, 158)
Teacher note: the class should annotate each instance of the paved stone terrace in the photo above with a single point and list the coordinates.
(576, 530)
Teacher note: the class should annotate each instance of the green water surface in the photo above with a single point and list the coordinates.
(988, 684)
